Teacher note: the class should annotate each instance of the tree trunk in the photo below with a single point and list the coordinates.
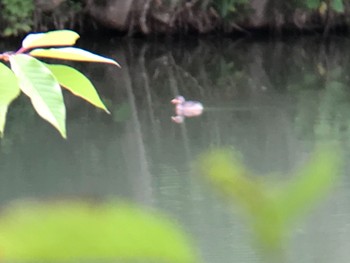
(110, 13)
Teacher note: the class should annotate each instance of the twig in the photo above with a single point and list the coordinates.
(143, 17)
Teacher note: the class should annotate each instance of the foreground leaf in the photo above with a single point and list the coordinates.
(77, 231)
(71, 53)
(9, 90)
(53, 38)
(271, 206)
(309, 185)
(38, 83)
(228, 174)
(77, 83)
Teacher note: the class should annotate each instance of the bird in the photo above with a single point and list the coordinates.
(185, 108)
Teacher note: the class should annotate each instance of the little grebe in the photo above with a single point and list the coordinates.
(185, 108)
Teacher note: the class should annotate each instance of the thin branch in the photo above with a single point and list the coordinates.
(143, 17)
(21, 50)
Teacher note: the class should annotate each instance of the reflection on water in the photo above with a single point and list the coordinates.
(272, 101)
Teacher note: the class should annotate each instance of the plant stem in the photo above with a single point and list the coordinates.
(21, 50)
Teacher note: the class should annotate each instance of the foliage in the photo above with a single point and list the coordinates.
(42, 82)
(271, 207)
(227, 7)
(321, 5)
(58, 14)
(22, 16)
(71, 231)
(17, 15)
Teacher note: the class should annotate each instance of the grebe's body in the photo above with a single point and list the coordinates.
(185, 108)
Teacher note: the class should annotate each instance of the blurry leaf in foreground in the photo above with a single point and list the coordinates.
(270, 205)
(122, 113)
(69, 231)
(308, 185)
(229, 175)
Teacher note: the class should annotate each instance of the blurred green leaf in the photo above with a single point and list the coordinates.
(71, 231)
(312, 4)
(122, 112)
(225, 172)
(338, 6)
(38, 83)
(9, 90)
(309, 185)
(271, 206)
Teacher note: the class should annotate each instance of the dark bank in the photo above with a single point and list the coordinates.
(150, 17)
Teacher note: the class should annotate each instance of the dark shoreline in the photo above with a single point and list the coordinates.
(156, 18)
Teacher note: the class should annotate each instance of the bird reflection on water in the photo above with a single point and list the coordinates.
(185, 109)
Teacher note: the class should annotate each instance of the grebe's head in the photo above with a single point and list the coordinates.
(178, 100)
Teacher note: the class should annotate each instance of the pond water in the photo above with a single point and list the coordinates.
(271, 100)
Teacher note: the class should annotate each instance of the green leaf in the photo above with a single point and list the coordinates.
(313, 4)
(77, 83)
(9, 90)
(72, 53)
(309, 185)
(271, 206)
(38, 83)
(80, 232)
(338, 6)
(228, 174)
(52, 38)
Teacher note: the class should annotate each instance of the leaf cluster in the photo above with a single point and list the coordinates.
(42, 82)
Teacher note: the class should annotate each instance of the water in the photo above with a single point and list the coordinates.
(273, 101)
